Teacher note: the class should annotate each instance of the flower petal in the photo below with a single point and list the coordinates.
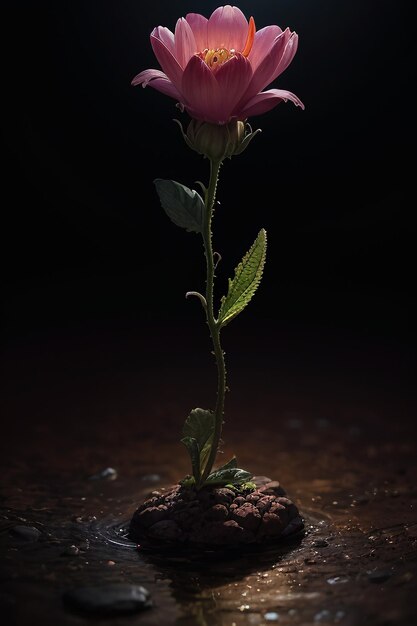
(233, 78)
(266, 70)
(289, 53)
(167, 60)
(185, 45)
(265, 101)
(262, 44)
(166, 36)
(227, 28)
(159, 81)
(143, 78)
(201, 92)
(198, 25)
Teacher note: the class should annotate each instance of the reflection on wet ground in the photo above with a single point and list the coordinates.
(339, 435)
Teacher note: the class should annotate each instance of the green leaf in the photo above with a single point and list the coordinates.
(232, 464)
(183, 206)
(192, 446)
(199, 425)
(232, 475)
(247, 277)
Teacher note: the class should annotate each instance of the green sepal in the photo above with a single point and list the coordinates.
(233, 475)
(247, 277)
(183, 206)
(250, 135)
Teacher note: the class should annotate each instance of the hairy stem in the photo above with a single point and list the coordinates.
(211, 320)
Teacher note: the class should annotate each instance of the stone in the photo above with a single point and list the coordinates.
(247, 516)
(25, 533)
(264, 504)
(108, 473)
(228, 533)
(272, 488)
(223, 495)
(214, 516)
(109, 599)
(165, 529)
(151, 478)
(71, 551)
(217, 513)
(152, 515)
(271, 524)
(379, 576)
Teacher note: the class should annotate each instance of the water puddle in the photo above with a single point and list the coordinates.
(353, 479)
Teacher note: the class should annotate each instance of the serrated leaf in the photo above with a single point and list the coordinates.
(192, 446)
(247, 277)
(232, 475)
(183, 206)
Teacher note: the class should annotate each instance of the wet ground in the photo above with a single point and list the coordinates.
(331, 416)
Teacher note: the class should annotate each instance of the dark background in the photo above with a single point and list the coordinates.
(86, 242)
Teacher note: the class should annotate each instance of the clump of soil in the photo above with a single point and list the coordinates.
(216, 516)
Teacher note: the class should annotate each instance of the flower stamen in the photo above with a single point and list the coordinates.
(216, 58)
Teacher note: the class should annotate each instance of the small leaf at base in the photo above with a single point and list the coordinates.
(232, 464)
(199, 428)
(234, 475)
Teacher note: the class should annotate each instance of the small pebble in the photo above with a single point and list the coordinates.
(109, 473)
(320, 543)
(362, 500)
(25, 533)
(337, 580)
(151, 478)
(110, 599)
(271, 616)
(71, 551)
(323, 616)
(379, 576)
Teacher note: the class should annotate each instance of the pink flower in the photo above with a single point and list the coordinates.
(217, 68)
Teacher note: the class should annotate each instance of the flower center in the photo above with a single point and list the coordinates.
(216, 58)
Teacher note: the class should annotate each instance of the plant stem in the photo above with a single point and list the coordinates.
(211, 320)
